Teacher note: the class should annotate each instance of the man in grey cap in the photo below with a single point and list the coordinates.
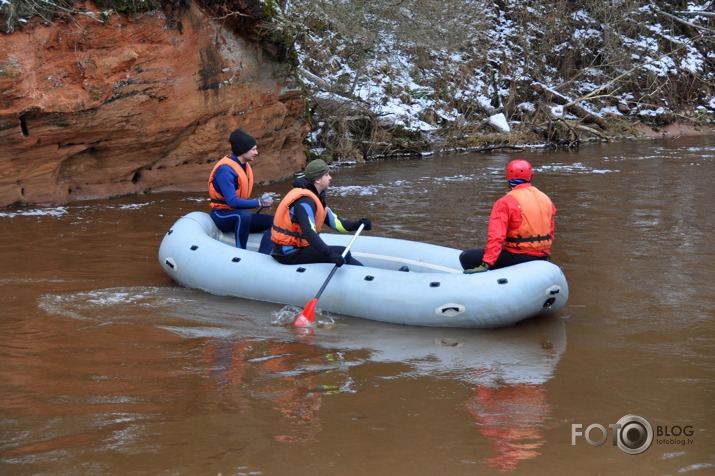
(300, 216)
(230, 187)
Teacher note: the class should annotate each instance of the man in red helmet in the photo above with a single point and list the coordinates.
(521, 225)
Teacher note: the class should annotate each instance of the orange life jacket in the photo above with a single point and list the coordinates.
(245, 183)
(284, 231)
(534, 234)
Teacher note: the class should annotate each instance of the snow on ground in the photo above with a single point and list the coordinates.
(399, 85)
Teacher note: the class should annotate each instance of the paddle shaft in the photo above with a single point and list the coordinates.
(345, 253)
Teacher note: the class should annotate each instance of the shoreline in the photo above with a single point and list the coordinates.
(675, 130)
(482, 143)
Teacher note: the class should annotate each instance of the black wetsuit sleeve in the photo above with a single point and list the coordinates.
(304, 214)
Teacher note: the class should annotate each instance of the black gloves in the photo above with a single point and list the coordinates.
(336, 258)
(366, 222)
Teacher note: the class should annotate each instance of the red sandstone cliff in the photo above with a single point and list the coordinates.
(91, 110)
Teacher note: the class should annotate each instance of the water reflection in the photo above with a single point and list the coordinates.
(507, 372)
(511, 416)
(272, 369)
(250, 361)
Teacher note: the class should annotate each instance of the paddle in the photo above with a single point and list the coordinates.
(307, 317)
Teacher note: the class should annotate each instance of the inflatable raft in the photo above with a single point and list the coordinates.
(434, 292)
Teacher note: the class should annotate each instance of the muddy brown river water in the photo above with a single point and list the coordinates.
(107, 367)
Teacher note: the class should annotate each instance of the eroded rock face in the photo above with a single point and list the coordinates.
(91, 110)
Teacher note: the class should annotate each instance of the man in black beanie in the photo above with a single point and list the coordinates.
(241, 143)
(230, 186)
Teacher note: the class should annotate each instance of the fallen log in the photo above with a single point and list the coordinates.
(570, 106)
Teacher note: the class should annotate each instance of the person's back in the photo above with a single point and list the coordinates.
(521, 225)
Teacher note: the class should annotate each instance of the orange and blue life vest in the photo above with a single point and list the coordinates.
(285, 231)
(245, 183)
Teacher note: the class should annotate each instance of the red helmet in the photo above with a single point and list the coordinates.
(519, 169)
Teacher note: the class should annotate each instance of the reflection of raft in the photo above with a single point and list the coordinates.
(521, 355)
(433, 293)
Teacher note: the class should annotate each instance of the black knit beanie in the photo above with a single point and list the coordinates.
(241, 142)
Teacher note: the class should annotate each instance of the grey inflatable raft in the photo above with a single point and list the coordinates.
(434, 292)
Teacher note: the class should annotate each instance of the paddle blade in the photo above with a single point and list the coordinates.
(307, 317)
